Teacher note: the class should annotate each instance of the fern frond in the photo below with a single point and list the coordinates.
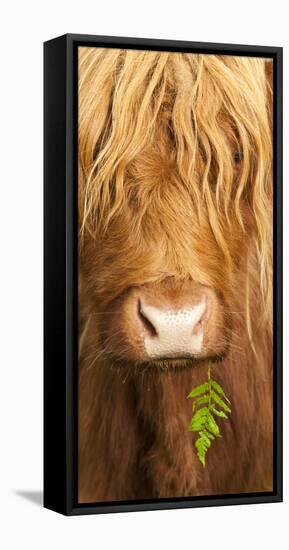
(203, 421)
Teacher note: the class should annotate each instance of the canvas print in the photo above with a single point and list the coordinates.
(175, 275)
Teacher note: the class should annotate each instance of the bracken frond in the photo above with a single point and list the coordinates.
(210, 395)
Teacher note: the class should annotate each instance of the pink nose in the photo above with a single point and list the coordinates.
(172, 332)
(171, 319)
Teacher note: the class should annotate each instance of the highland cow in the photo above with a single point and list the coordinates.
(175, 270)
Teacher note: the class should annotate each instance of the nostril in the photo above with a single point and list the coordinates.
(199, 324)
(145, 321)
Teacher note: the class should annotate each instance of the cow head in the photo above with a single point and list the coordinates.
(174, 201)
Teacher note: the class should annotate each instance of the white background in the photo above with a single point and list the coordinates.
(24, 26)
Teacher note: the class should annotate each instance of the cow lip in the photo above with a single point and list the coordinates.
(186, 360)
(163, 364)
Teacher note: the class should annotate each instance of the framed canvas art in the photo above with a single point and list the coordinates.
(163, 285)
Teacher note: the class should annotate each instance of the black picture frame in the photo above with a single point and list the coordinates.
(60, 273)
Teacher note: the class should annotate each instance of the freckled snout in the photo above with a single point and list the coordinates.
(173, 332)
(171, 320)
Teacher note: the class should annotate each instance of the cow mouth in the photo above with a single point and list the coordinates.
(165, 364)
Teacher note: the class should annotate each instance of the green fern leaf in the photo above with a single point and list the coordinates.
(199, 420)
(221, 414)
(197, 426)
(201, 413)
(220, 402)
(201, 450)
(218, 388)
(201, 401)
(212, 426)
(206, 439)
(202, 456)
(208, 434)
(199, 390)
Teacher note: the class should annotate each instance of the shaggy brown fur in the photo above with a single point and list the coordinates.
(175, 186)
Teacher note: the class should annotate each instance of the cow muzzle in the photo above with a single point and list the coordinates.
(171, 321)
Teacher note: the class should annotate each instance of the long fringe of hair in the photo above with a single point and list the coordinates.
(214, 103)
